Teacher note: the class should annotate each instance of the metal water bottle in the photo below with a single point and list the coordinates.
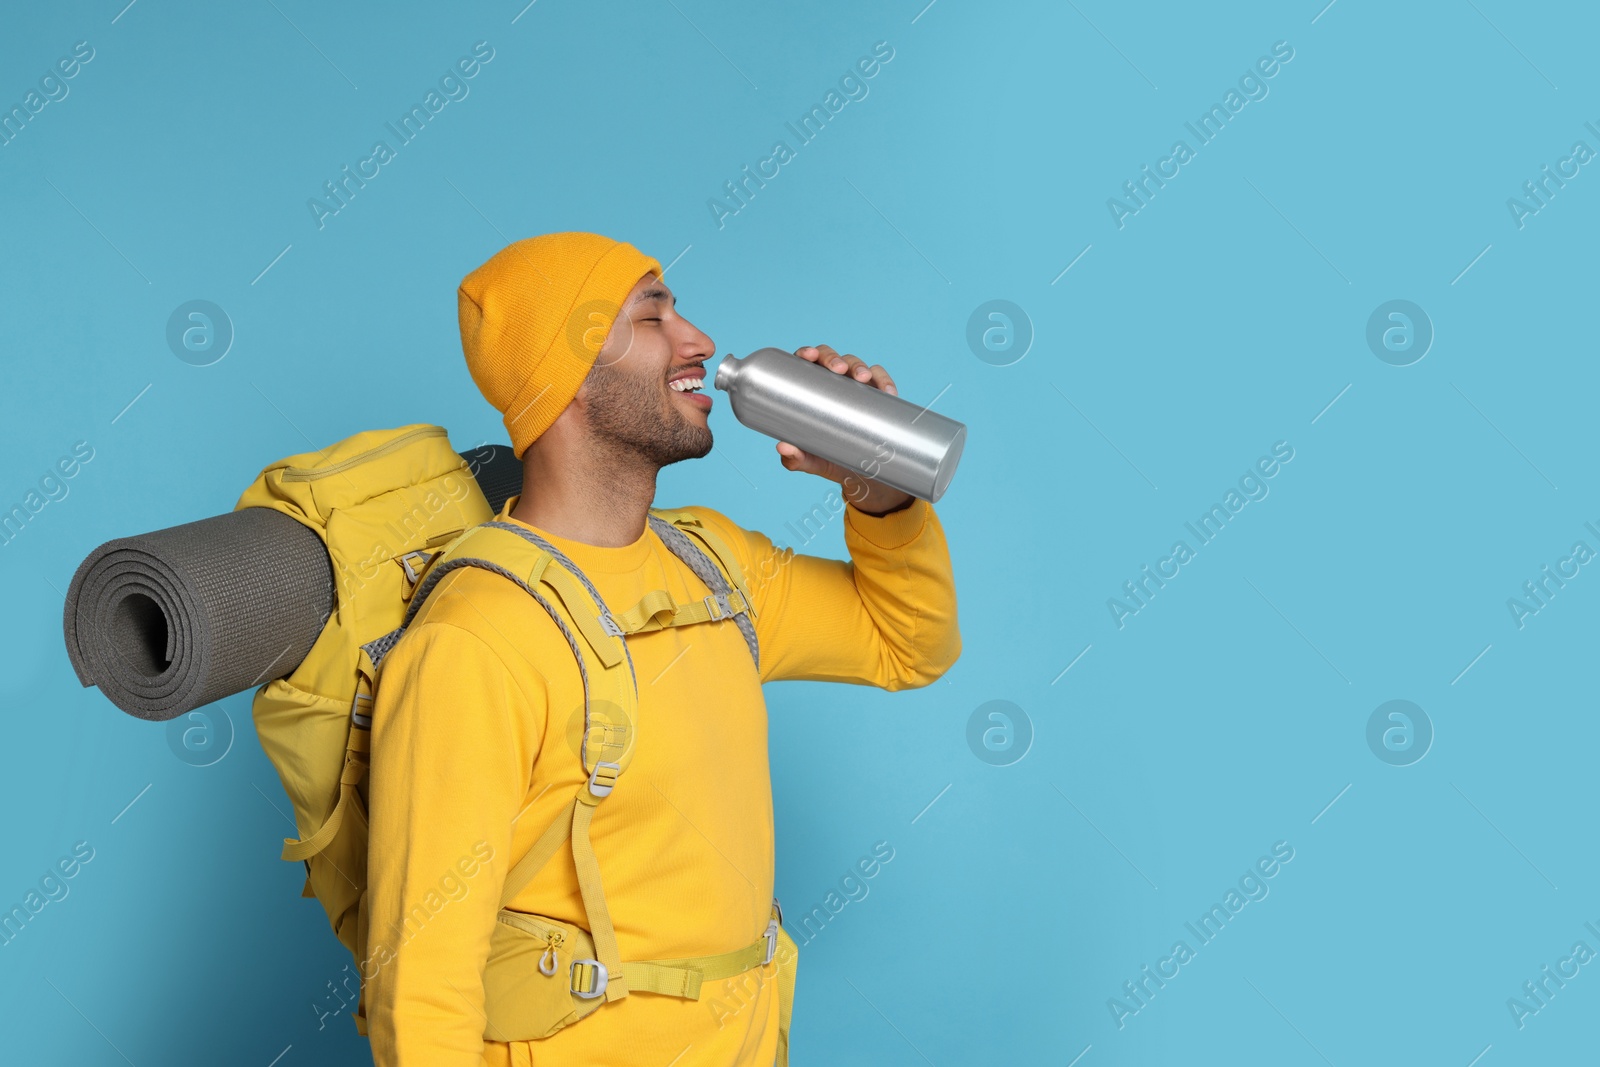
(854, 424)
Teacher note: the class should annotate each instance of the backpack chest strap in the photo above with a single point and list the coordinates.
(704, 553)
(657, 610)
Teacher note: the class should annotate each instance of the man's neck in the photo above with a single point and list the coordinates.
(592, 499)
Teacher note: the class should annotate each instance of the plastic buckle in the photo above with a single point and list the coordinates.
(603, 788)
(361, 711)
(772, 941)
(713, 608)
(611, 626)
(601, 978)
(413, 573)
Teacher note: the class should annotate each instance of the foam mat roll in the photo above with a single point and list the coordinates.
(169, 621)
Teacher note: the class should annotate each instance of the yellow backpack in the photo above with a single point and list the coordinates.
(398, 510)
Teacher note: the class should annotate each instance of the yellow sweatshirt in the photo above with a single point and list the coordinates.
(474, 752)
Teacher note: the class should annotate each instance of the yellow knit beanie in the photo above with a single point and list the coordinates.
(533, 319)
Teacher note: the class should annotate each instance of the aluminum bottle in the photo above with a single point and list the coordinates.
(854, 424)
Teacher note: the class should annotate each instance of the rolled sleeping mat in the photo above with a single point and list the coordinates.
(169, 621)
(166, 622)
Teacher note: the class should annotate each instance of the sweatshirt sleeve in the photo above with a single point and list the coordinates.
(887, 617)
(453, 746)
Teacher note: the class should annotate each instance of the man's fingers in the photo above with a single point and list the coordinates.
(856, 367)
(793, 458)
(828, 357)
(797, 459)
(822, 354)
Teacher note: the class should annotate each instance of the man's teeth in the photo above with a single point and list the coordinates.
(687, 385)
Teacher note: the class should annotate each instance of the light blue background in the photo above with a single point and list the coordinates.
(1224, 317)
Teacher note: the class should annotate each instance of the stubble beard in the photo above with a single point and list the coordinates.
(626, 417)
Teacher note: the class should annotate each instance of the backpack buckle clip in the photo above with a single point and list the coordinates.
(415, 572)
(602, 786)
(772, 941)
(590, 967)
(361, 703)
(719, 606)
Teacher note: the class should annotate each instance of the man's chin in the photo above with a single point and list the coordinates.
(689, 442)
(701, 449)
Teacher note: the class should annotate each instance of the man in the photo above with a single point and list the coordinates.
(578, 342)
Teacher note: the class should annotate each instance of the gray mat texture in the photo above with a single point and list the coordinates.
(166, 622)
(169, 621)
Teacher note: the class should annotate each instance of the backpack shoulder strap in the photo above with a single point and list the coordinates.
(557, 585)
(610, 696)
(708, 540)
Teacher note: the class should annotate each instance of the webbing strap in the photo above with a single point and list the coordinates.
(573, 826)
(719, 549)
(604, 622)
(555, 835)
(684, 977)
(355, 768)
(657, 610)
(605, 646)
(603, 633)
(786, 970)
(594, 900)
(701, 563)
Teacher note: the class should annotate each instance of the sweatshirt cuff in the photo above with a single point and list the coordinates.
(894, 530)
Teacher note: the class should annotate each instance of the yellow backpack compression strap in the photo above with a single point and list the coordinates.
(356, 754)
(355, 769)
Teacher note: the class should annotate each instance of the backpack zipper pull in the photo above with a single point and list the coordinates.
(547, 962)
